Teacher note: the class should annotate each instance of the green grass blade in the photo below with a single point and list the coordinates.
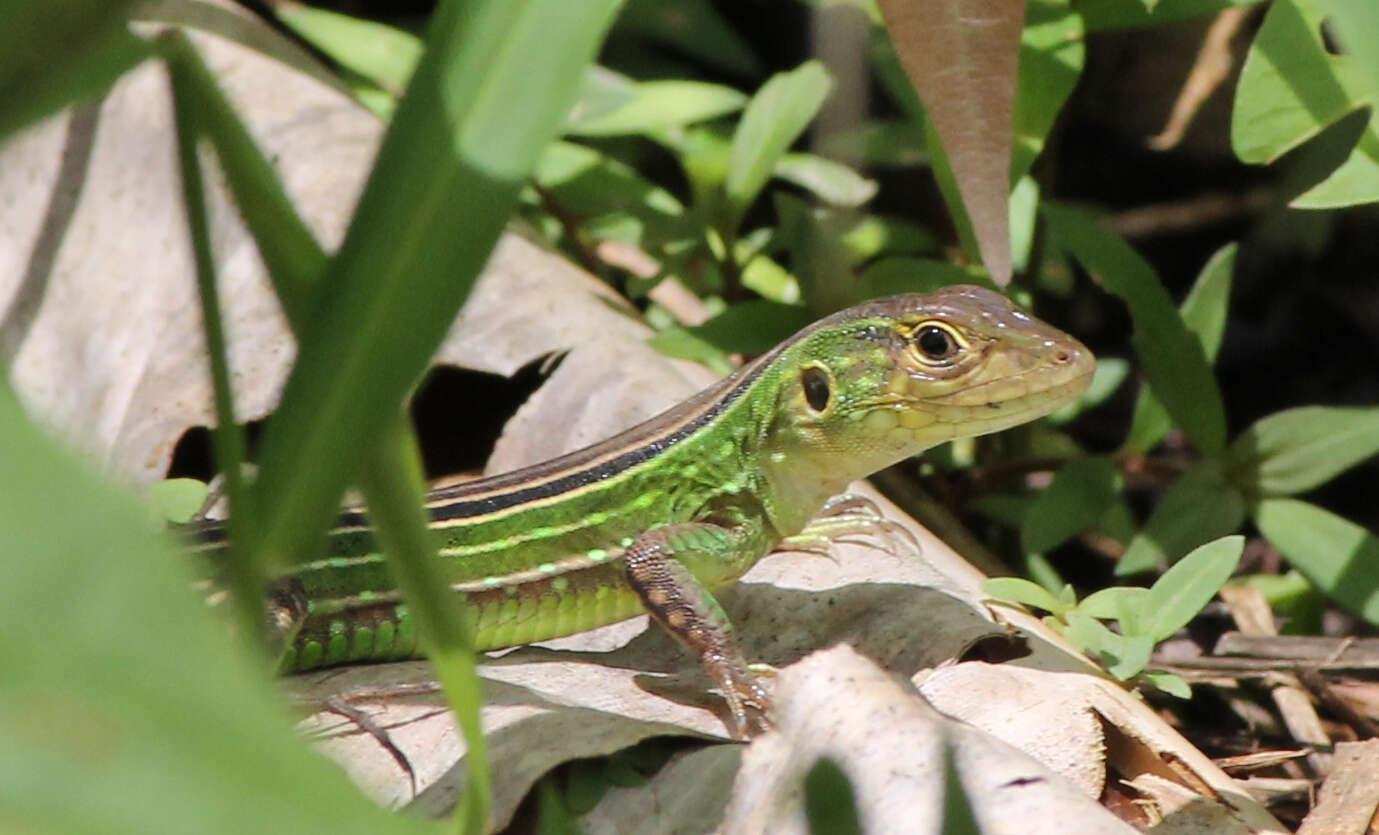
(447, 176)
(392, 480)
(1177, 596)
(247, 577)
(1298, 449)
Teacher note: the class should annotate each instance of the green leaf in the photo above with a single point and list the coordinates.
(54, 53)
(1078, 496)
(1297, 449)
(678, 343)
(1337, 555)
(1173, 359)
(1020, 590)
(1204, 314)
(1200, 506)
(1184, 589)
(900, 274)
(177, 499)
(830, 181)
(1171, 683)
(1291, 88)
(1052, 54)
(1120, 603)
(830, 804)
(1124, 656)
(590, 184)
(1357, 24)
(385, 55)
(774, 119)
(654, 105)
(1127, 14)
(752, 327)
(117, 680)
(1110, 373)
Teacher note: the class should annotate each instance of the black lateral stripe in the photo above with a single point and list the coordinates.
(637, 455)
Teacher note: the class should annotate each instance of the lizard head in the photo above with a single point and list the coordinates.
(877, 383)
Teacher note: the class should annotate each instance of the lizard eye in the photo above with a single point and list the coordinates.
(936, 343)
(816, 389)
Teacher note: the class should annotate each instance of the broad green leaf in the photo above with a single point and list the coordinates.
(1337, 555)
(653, 105)
(117, 680)
(1173, 359)
(587, 183)
(1204, 313)
(1078, 496)
(773, 120)
(1020, 590)
(1171, 683)
(1110, 373)
(57, 52)
(1009, 508)
(1357, 24)
(830, 181)
(383, 54)
(762, 274)
(1128, 14)
(678, 343)
(1200, 506)
(1123, 655)
(875, 234)
(1177, 596)
(1297, 449)
(961, 57)
(1291, 88)
(752, 327)
(1120, 603)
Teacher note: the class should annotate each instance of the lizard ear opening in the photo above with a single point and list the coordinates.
(817, 389)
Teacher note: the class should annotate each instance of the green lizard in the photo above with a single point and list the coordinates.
(656, 518)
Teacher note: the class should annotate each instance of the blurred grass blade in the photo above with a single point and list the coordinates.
(1337, 555)
(1204, 313)
(446, 178)
(830, 805)
(56, 52)
(117, 682)
(247, 580)
(1200, 506)
(961, 57)
(1298, 449)
(294, 259)
(958, 817)
(1177, 596)
(773, 120)
(1173, 359)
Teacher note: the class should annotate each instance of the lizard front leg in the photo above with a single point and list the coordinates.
(656, 569)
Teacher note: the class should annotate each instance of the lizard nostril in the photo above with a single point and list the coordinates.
(1063, 357)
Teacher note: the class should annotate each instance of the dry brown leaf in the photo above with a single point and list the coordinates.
(961, 56)
(99, 321)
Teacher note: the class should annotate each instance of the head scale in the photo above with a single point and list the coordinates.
(885, 380)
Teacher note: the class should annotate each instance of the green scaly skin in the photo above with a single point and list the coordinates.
(656, 518)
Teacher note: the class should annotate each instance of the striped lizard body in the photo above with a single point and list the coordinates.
(658, 517)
